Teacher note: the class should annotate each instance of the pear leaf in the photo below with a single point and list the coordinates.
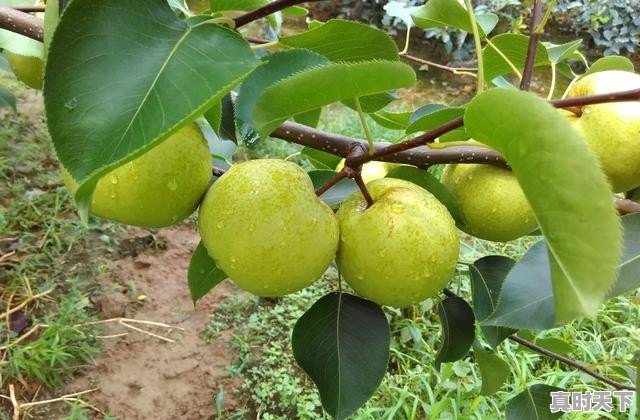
(571, 198)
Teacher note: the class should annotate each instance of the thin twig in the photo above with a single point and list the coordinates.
(579, 101)
(567, 361)
(22, 337)
(437, 65)
(14, 402)
(27, 301)
(54, 400)
(270, 8)
(534, 40)
(330, 183)
(140, 330)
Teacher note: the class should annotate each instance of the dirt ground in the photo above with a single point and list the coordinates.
(139, 376)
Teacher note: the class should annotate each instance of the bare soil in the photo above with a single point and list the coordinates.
(139, 376)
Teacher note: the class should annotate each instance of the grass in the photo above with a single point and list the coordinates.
(274, 387)
(54, 254)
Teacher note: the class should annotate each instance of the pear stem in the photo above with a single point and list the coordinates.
(363, 187)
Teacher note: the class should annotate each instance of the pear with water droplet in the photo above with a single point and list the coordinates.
(612, 130)
(492, 204)
(401, 250)
(263, 225)
(157, 189)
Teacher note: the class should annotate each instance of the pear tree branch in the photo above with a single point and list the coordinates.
(29, 9)
(21, 23)
(413, 152)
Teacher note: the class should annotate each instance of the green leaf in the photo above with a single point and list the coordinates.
(295, 11)
(442, 13)
(19, 44)
(317, 87)
(561, 52)
(425, 110)
(487, 276)
(223, 149)
(392, 120)
(429, 121)
(227, 128)
(430, 183)
(7, 100)
(612, 62)
(493, 370)
(4, 64)
(342, 343)
(629, 265)
(107, 98)
(320, 159)
(526, 298)
(372, 103)
(51, 18)
(214, 116)
(278, 66)
(458, 329)
(346, 41)
(336, 194)
(239, 5)
(571, 198)
(310, 118)
(533, 404)
(487, 22)
(203, 274)
(514, 47)
(554, 344)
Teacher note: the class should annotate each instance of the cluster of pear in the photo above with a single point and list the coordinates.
(263, 224)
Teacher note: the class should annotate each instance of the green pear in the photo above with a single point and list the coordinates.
(157, 189)
(28, 70)
(263, 225)
(612, 130)
(492, 204)
(371, 170)
(401, 250)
